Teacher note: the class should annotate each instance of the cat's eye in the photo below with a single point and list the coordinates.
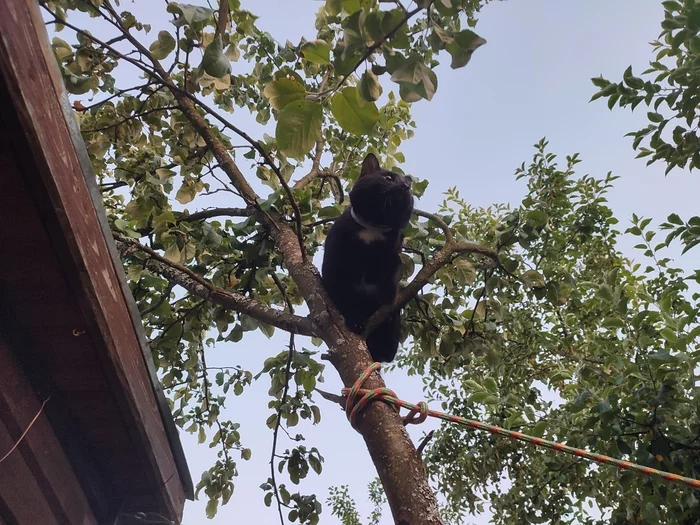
(388, 177)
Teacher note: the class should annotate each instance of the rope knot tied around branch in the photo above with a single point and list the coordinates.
(353, 406)
(419, 412)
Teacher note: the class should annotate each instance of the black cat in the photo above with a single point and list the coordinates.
(361, 263)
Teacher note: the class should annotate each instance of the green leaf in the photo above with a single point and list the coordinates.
(267, 329)
(631, 80)
(372, 27)
(232, 52)
(478, 397)
(605, 292)
(214, 61)
(284, 91)
(191, 14)
(462, 47)
(650, 512)
(491, 400)
(316, 412)
(328, 212)
(351, 6)
(669, 334)
(202, 436)
(352, 116)
(474, 385)
(162, 47)
(415, 79)
(655, 117)
(61, 48)
(533, 278)
(173, 253)
(491, 385)
(613, 323)
(299, 127)
(246, 453)
(370, 89)
(317, 51)
(80, 84)
(333, 7)
(675, 219)
(186, 193)
(538, 429)
(538, 217)
(212, 508)
(315, 464)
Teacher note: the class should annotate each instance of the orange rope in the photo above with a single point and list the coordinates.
(419, 412)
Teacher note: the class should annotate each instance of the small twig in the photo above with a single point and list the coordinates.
(287, 376)
(470, 326)
(223, 18)
(283, 291)
(436, 219)
(334, 398)
(31, 423)
(118, 93)
(425, 441)
(164, 297)
(207, 399)
(131, 117)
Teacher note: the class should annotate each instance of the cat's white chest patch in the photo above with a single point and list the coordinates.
(366, 288)
(370, 235)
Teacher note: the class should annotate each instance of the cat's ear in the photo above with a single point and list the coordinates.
(369, 165)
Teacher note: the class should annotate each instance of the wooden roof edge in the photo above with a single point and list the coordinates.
(24, 20)
(91, 181)
(163, 407)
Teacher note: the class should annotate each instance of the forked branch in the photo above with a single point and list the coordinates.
(200, 287)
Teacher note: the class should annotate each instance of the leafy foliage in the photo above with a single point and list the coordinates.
(158, 174)
(671, 90)
(559, 335)
(595, 352)
(673, 81)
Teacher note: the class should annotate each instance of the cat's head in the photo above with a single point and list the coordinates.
(382, 197)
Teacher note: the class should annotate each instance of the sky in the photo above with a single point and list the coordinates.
(531, 80)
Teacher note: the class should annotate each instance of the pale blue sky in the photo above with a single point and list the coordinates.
(531, 80)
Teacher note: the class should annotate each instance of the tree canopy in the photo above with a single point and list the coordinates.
(527, 317)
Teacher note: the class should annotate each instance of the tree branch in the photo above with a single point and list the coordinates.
(187, 102)
(440, 259)
(130, 117)
(223, 18)
(442, 224)
(315, 167)
(215, 212)
(203, 289)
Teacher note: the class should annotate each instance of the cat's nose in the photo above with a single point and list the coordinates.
(407, 181)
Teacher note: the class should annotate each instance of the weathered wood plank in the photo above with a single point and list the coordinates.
(38, 467)
(70, 216)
